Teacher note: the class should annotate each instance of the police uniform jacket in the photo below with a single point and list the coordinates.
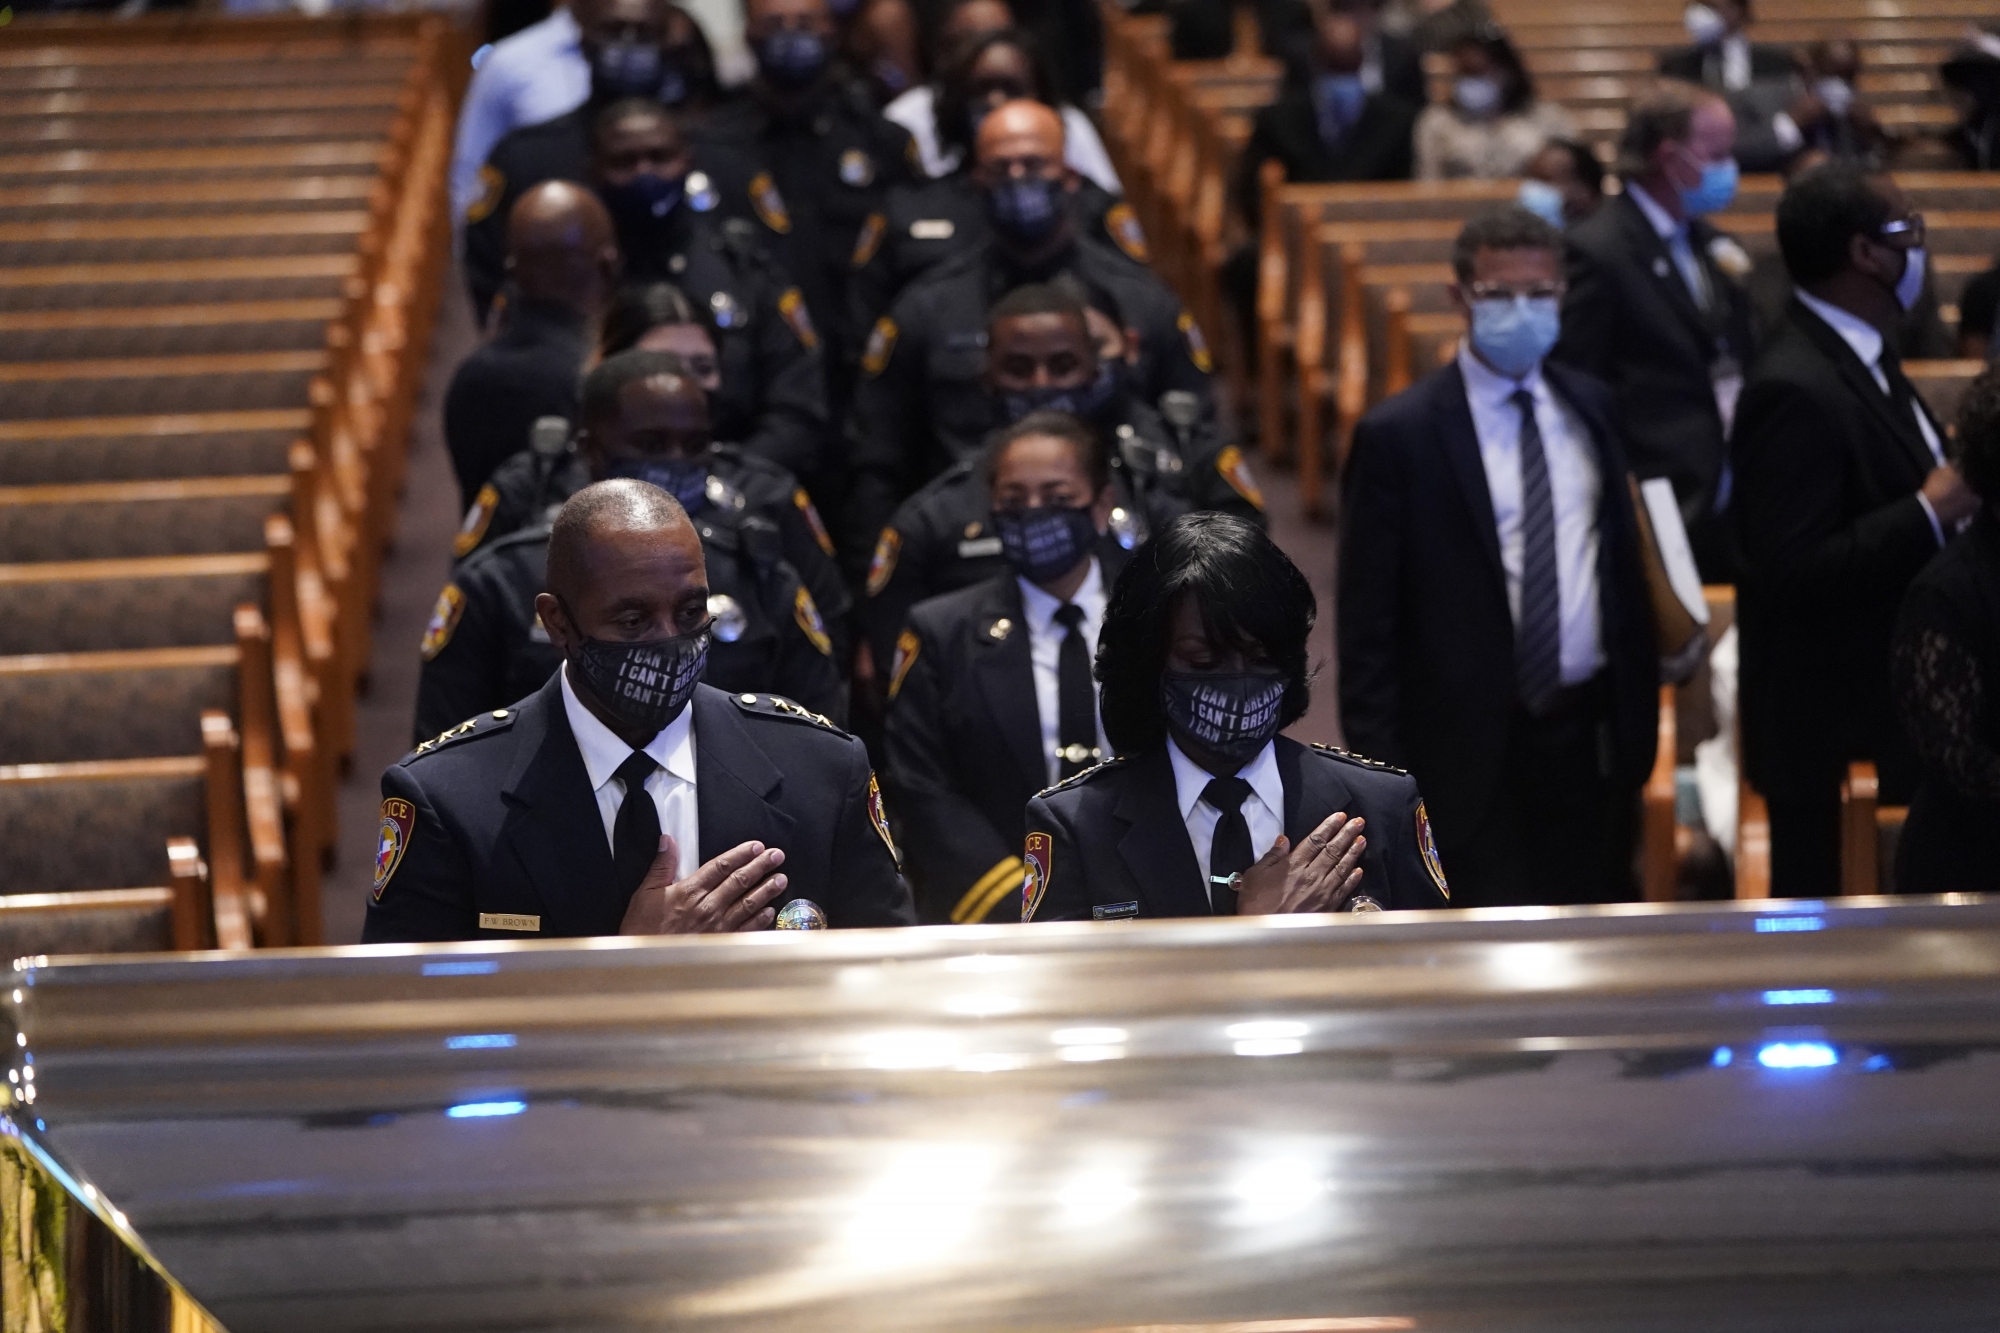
(529, 488)
(920, 404)
(485, 645)
(493, 832)
(1110, 843)
(924, 223)
(559, 150)
(963, 749)
(529, 370)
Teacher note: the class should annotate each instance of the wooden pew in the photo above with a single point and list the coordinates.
(175, 330)
(1869, 833)
(172, 198)
(210, 382)
(100, 240)
(176, 282)
(202, 444)
(126, 519)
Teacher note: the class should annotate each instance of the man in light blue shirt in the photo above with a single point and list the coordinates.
(537, 74)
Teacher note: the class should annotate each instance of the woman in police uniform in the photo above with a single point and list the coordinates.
(1207, 810)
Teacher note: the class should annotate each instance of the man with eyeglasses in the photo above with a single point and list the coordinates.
(1843, 494)
(624, 796)
(1495, 632)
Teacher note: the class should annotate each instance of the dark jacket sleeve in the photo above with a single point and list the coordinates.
(1411, 884)
(956, 857)
(872, 892)
(816, 566)
(1370, 594)
(883, 439)
(791, 427)
(1066, 894)
(804, 671)
(468, 674)
(428, 895)
(1590, 312)
(485, 256)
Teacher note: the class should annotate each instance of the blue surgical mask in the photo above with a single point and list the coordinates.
(1025, 210)
(625, 69)
(1716, 192)
(1513, 334)
(1338, 100)
(1838, 94)
(791, 57)
(1544, 200)
(1704, 26)
(685, 479)
(643, 199)
(1910, 287)
(1087, 401)
(1476, 94)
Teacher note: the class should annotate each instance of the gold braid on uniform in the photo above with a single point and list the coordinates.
(1361, 759)
(986, 894)
(1075, 778)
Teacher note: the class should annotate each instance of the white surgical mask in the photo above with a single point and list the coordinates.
(1704, 26)
(1838, 94)
(1911, 285)
(1477, 94)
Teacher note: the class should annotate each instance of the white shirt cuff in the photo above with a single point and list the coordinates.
(1937, 528)
(1790, 137)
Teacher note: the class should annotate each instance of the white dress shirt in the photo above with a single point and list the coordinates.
(1263, 809)
(1083, 150)
(1866, 340)
(533, 75)
(1045, 641)
(1574, 489)
(1674, 232)
(671, 786)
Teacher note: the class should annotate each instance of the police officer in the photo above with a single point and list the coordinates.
(563, 260)
(1040, 357)
(922, 223)
(643, 417)
(1207, 810)
(990, 694)
(824, 157)
(622, 795)
(921, 373)
(636, 48)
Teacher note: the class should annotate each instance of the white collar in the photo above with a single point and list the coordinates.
(1040, 607)
(1486, 385)
(1662, 221)
(603, 751)
(1191, 779)
(1856, 332)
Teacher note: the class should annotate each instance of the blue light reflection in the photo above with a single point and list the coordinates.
(479, 968)
(480, 1041)
(1797, 1055)
(1770, 924)
(1798, 997)
(480, 1110)
(1722, 1058)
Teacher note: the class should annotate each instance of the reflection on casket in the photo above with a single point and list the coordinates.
(1637, 1118)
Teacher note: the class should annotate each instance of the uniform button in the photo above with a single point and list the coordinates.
(749, 698)
(499, 713)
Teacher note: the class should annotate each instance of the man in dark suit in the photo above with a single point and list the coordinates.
(1761, 82)
(624, 796)
(563, 258)
(1494, 628)
(1844, 494)
(990, 694)
(1654, 308)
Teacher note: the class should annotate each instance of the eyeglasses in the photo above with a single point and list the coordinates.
(1911, 226)
(1489, 291)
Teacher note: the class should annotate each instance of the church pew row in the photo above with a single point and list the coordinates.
(67, 200)
(177, 330)
(331, 157)
(206, 444)
(191, 130)
(93, 106)
(177, 281)
(136, 519)
(94, 240)
(210, 382)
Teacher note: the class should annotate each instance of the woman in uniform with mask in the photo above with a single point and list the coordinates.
(1207, 810)
(1494, 124)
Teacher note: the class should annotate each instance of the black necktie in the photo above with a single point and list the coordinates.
(635, 835)
(1229, 851)
(1076, 697)
(1538, 640)
(1902, 393)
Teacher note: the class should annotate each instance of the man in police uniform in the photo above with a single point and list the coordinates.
(824, 156)
(563, 259)
(921, 375)
(1040, 356)
(521, 821)
(645, 418)
(717, 182)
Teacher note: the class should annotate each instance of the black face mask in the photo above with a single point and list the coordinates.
(791, 57)
(1089, 401)
(686, 479)
(1026, 211)
(1047, 543)
(1231, 715)
(644, 201)
(625, 69)
(643, 684)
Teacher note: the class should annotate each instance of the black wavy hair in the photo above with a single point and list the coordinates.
(1249, 595)
(1978, 443)
(954, 128)
(1518, 92)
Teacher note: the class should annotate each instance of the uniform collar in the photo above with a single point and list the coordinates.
(1040, 607)
(1191, 779)
(603, 751)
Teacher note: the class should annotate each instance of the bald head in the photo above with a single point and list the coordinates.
(1018, 130)
(561, 247)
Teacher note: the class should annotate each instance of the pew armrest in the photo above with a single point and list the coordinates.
(1659, 868)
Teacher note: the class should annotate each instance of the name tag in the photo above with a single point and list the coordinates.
(510, 921)
(1114, 912)
(932, 229)
(979, 548)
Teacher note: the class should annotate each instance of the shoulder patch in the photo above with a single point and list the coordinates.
(792, 308)
(477, 519)
(806, 613)
(492, 185)
(770, 205)
(777, 705)
(1427, 848)
(1122, 225)
(883, 567)
(880, 819)
(1196, 344)
(881, 346)
(399, 820)
(869, 240)
(444, 619)
(1235, 470)
(1075, 778)
(908, 645)
(914, 156)
(803, 503)
(1038, 860)
(1349, 756)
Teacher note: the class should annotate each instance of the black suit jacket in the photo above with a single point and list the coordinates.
(1379, 147)
(501, 819)
(1426, 640)
(1827, 474)
(1110, 844)
(529, 370)
(1630, 321)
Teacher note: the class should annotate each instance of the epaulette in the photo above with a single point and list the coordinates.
(483, 724)
(777, 705)
(1075, 778)
(1335, 752)
(534, 532)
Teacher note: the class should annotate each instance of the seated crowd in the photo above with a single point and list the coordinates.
(798, 418)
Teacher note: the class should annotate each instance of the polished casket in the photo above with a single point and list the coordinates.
(1735, 1117)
